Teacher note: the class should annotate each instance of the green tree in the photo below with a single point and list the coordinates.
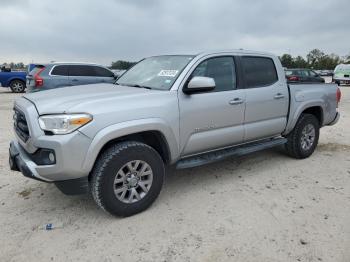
(328, 62)
(122, 65)
(287, 60)
(314, 57)
(300, 62)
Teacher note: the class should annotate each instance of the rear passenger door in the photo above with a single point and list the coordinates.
(58, 77)
(266, 98)
(89, 74)
(104, 75)
(81, 75)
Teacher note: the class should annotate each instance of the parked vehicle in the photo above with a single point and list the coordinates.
(342, 74)
(30, 67)
(59, 74)
(179, 110)
(16, 80)
(326, 73)
(303, 76)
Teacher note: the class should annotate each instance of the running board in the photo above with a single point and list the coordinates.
(214, 156)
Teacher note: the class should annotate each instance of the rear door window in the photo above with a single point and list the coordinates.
(259, 71)
(304, 73)
(102, 72)
(81, 70)
(312, 73)
(61, 70)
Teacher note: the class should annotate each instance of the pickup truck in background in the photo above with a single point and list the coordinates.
(116, 140)
(16, 80)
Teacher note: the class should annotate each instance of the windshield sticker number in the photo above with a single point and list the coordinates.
(168, 73)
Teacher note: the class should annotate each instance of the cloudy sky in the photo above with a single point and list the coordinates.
(107, 30)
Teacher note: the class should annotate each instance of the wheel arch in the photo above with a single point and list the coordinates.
(317, 111)
(157, 135)
(153, 138)
(314, 108)
(14, 79)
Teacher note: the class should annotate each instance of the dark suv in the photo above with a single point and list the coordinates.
(55, 75)
(303, 76)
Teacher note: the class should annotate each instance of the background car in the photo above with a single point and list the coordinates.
(61, 74)
(342, 74)
(326, 73)
(302, 75)
(16, 80)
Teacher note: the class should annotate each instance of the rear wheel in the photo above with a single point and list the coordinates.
(127, 178)
(303, 140)
(17, 86)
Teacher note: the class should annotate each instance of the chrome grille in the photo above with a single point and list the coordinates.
(20, 125)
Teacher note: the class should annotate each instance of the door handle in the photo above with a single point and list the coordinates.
(278, 96)
(236, 101)
(75, 80)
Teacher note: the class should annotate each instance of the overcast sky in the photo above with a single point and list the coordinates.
(107, 30)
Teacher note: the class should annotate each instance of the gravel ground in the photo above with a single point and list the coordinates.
(261, 207)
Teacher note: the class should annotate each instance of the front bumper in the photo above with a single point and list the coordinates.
(19, 161)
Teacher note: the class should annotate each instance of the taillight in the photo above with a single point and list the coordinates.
(293, 78)
(38, 80)
(338, 96)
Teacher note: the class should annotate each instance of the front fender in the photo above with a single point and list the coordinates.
(128, 128)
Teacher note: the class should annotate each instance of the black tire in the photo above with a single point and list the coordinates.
(294, 145)
(106, 169)
(17, 86)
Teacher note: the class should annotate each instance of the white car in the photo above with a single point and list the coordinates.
(342, 74)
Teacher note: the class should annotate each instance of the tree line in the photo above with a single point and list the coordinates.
(315, 59)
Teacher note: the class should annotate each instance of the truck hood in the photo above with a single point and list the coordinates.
(73, 98)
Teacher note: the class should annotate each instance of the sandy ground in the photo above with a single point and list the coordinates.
(261, 207)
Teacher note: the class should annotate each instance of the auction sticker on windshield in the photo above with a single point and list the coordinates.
(168, 73)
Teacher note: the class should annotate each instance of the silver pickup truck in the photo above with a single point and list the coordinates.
(115, 140)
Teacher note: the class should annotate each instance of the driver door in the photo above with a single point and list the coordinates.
(213, 119)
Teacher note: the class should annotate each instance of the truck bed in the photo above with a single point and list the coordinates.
(303, 96)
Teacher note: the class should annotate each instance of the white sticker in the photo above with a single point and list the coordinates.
(167, 81)
(168, 73)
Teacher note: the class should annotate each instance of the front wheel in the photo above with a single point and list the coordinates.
(303, 140)
(127, 178)
(17, 86)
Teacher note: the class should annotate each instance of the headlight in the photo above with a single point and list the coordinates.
(63, 124)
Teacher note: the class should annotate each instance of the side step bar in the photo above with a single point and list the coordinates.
(214, 156)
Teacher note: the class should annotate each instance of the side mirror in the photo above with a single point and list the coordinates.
(199, 84)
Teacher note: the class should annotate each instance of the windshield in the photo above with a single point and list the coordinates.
(159, 72)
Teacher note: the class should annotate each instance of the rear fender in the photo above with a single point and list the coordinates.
(298, 107)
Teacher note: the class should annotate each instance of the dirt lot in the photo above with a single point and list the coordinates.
(262, 207)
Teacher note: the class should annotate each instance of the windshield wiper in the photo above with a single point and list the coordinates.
(140, 86)
(133, 85)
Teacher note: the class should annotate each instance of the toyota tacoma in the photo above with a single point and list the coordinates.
(116, 140)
